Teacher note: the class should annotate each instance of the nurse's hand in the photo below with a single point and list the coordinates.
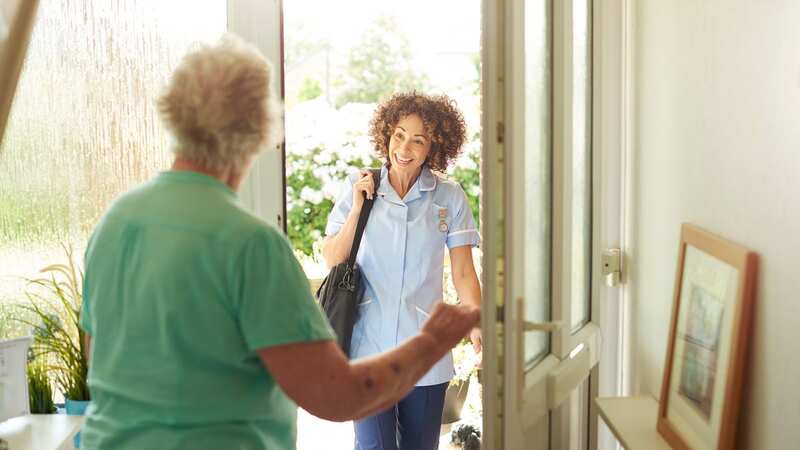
(477, 339)
(363, 186)
(449, 324)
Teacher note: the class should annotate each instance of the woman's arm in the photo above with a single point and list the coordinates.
(465, 280)
(320, 379)
(336, 248)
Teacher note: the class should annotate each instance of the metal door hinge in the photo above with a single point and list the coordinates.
(501, 132)
(612, 266)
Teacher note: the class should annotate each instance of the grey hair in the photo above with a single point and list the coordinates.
(220, 105)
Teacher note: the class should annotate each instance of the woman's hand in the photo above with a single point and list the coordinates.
(477, 340)
(448, 324)
(320, 379)
(337, 247)
(364, 185)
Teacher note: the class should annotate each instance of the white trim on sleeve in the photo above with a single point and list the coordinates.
(455, 233)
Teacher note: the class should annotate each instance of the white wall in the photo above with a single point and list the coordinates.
(716, 142)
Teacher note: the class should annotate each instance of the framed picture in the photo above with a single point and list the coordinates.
(16, 23)
(709, 336)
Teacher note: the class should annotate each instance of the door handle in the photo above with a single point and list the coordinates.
(548, 327)
(525, 326)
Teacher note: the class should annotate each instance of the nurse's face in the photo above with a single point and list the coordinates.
(409, 145)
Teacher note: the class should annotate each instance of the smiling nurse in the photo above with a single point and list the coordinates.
(417, 213)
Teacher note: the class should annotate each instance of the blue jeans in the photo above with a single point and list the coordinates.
(412, 424)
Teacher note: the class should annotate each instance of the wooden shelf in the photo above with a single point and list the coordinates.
(633, 421)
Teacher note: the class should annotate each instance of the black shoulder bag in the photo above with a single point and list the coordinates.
(341, 291)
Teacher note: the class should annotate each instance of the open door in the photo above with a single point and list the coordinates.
(543, 226)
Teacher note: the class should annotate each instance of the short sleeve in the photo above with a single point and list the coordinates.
(463, 230)
(85, 320)
(344, 203)
(275, 305)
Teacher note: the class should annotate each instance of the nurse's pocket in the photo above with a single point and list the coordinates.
(360, 325)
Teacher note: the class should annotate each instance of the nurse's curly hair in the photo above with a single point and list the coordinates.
(443, 122)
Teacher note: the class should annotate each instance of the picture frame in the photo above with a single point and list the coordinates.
(16, 24)
(709, 337)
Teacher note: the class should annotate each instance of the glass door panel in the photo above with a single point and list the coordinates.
(581, 147)
(546, 213)
(537, 176)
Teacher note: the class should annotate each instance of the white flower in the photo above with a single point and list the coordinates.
(465, 162)
(311, 195)
(324, 157)
(331, 190)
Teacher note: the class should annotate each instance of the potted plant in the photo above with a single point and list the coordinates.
(466, 365)
(40, 390)
(55, 303)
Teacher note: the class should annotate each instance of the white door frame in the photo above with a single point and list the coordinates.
(260, 23)
(491, 211)
(611, 139)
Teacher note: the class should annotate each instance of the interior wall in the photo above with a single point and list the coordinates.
(716, 142)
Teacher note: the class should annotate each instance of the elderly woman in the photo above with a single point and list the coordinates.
(416, 214)
(203, 331)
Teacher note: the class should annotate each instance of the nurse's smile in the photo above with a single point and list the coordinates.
(409, 148)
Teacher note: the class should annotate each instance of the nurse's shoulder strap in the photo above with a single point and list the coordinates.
(362, 218)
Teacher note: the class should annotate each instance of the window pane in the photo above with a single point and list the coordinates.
(84, 126)
(538, 174)
(581, 162)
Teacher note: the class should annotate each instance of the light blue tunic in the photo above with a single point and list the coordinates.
(402, 259)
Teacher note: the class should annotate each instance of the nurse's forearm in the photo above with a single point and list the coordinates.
(468, 290)
(336, 248)
(465, 279)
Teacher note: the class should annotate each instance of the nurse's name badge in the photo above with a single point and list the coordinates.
(442, 223)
